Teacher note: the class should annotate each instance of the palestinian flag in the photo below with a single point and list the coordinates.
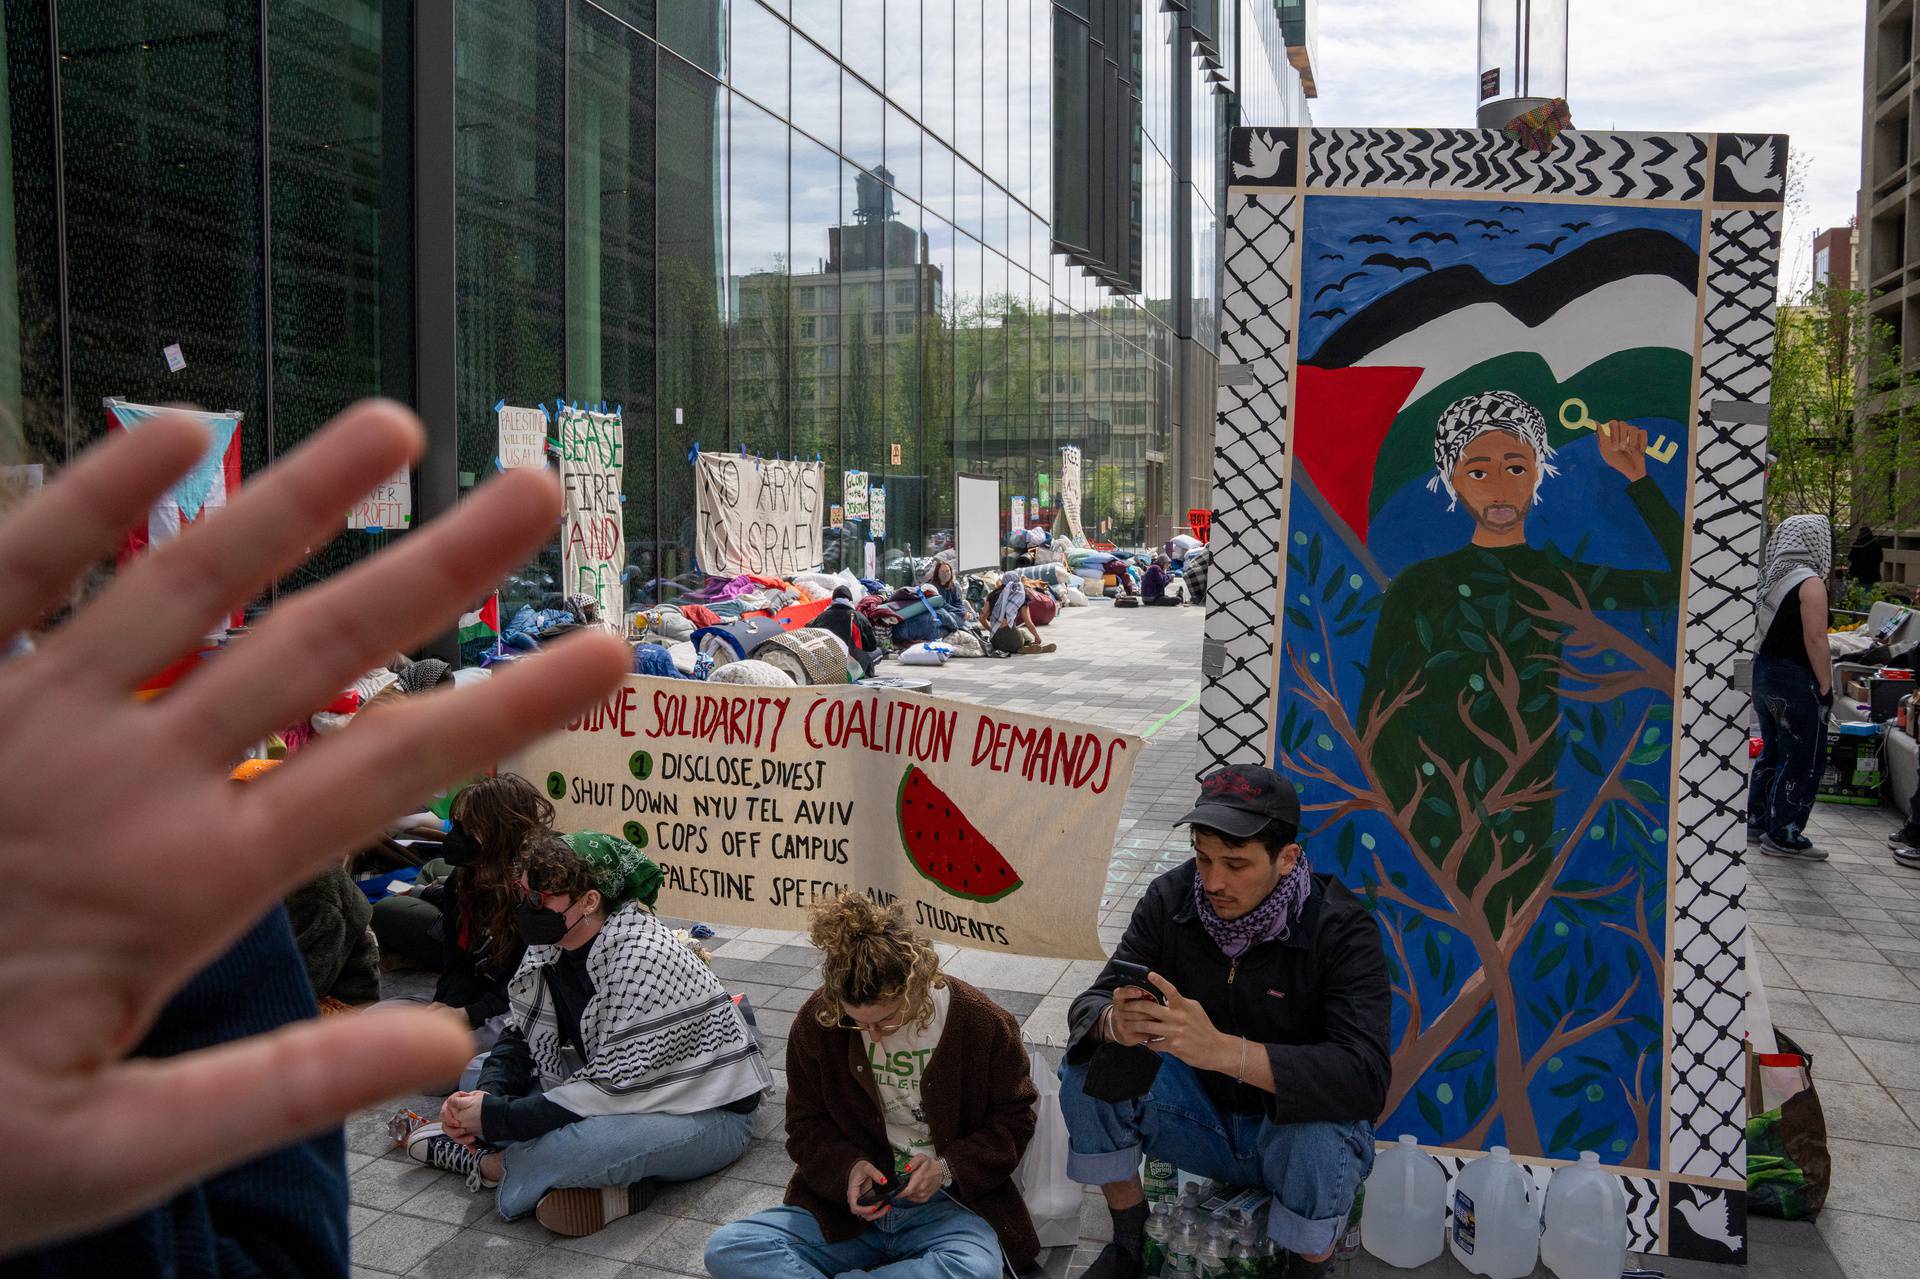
(482, 624)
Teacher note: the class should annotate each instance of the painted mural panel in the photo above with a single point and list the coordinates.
(1477, 649)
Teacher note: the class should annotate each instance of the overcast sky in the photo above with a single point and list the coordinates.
(1749, 66)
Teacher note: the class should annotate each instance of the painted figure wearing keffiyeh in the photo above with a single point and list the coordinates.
(1467, 660)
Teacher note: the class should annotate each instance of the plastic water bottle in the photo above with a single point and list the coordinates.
(1183, 1246)
(1405, 1220)
(1158, 1178)
(1213, 1253)
(1153, 1249)
(1178, 1267)
(1347, 1246)
(1243, 1257)
(1586, 1222)
(1496, 1224)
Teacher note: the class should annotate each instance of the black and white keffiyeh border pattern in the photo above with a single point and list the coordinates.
(1704, 1103)
(665, 1035)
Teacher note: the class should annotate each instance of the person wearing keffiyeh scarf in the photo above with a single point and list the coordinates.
(1792, 686)
(1239, 1032)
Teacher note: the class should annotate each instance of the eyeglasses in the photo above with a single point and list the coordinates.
(878, 1031)
(538, 900)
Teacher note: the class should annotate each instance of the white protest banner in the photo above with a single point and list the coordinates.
(1017, 515)
(593, 540)
(993, 828)
(523, 437)
(877, 511)
(1070, 492)
(758, 516)
(870, 562)
(387, 508)
(853, 489)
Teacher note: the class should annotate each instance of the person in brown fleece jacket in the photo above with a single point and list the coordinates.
(903, 1081)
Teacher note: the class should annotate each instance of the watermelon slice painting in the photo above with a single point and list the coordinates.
(944, 846)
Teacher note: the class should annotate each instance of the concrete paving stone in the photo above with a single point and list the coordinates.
(681, 1248)
(357, 1160)
(1793, 1010)
(1870, 1247)
(770, 1120)
(477, 1252)
(766, 1163)
(988, 969)
(1865, 1112)
(1872, 1018)
(1850, 977)
(761, 993)
(786, 999)
(554, 1263)
(1832, 1059)
(1897, 939)
(727, 1198)
(396, 1244)
(741, 948)
(359, 1217)
(1048, 1023)
(386, 1184)
(525, 1228)
(445, 1197)
(1877, 928)
(799, 956)
(1017, 1002)
(1893, 1065)
(778, 936)
(1080, 974)
(1773, 971)
(759, 971)
(1871, 1178)
(624, 1240)
(774, 1022)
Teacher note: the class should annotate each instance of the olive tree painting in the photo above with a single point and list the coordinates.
(1486, 498)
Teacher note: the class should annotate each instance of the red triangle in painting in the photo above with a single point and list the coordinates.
(1341, 418)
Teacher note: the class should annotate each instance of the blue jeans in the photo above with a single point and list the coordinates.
(618, 1150)
(1312, 1170)
(935, 1240)
(1793, 750)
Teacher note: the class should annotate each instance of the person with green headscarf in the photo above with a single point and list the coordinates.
(624, 1062)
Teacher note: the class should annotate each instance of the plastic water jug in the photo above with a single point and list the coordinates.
(1586, 1220)
(1404, 1221)
(1496, 1224)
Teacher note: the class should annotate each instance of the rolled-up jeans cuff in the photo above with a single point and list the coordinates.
(1300, 1235)
(1103, 1167)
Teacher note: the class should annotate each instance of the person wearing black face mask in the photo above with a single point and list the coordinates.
(624, 1062)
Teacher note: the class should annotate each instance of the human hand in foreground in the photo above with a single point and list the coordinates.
(1129, 1026)
(460, 1116)
(1181, 1026)
(925, 1175)
(863, 1177)
(180, 863)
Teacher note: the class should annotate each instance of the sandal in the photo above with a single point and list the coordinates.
(1039, 648)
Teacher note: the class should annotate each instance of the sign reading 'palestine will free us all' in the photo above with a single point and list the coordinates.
(992, 828)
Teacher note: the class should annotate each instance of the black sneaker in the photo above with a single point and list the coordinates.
(1793, 847)
(1906, 837)
(431, 1146)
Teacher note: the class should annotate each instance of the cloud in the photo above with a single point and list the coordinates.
(1752, 66)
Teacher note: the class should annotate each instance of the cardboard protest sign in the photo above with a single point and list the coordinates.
(1017, 515)
(386, 509)
(593, 541)
(853, 489)
(877, 511)
(757, 515)
(992, 827)
(523, 437)
(1070, 492)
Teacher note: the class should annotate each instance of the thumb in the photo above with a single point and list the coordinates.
(1164, 986)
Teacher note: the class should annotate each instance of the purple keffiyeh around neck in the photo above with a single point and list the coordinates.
(1271, 920)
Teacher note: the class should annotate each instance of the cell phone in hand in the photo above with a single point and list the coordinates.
(882, 1192)
(1136, 974)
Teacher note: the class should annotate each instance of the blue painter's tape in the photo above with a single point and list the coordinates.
(499, 404)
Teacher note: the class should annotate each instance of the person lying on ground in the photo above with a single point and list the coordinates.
(1286, 1099)
(114, 1123)
(625, 1063)
(909, 1105)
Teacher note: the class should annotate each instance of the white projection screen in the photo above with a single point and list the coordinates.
(976, 522)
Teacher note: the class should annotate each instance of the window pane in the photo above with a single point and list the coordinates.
(994, 88)
(33, 428)
(692, 402)
(861, 352)
(762, 310)
(903, 153)
(903, 52)
(863, 46)
(815, 220)
(863, 122)
(325, 139)
(936, 176)
(816, 93)
(696, 30)
(821, 20)
(611, 274)
(968, 79)
(760, 55)
(936, 42)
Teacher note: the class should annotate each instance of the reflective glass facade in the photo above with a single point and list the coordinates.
(805, 227)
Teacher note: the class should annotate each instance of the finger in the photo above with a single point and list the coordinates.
(319, 641)
(51, 539)
(1164, 986)
(170, 598)
(345, 787)
(177, 1120)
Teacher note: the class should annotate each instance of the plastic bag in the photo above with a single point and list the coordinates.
(926, 654)
(1052, 1200)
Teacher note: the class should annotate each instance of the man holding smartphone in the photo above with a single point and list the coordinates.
(1239, 1032)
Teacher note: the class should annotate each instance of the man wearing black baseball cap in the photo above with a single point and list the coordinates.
(1239, 1032)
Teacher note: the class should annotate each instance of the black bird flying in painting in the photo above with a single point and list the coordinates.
(1551, 246)
(1333, 257)
(1401, 221)
(1576, 227)
(1341, 287)
(1329, 313)
(1489, 223)
(1511, 208)
(1438, 237)
(1369, 239)
(1398, 264)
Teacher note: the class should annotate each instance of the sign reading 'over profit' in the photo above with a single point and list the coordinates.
(992, 828)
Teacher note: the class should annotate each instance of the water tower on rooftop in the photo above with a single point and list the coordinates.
(1523, 57)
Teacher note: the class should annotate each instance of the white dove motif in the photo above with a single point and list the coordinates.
(1752, 169)
(1709, 1219)
(1265, 152)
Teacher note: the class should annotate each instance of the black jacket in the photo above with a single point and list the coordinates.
(1319, 1001)
(472, 979)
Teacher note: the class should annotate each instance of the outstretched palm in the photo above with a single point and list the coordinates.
(130, 863)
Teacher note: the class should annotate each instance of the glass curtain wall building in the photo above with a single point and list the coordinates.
(910, 237)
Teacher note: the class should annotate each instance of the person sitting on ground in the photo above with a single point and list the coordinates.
(1007, 608)
(843, 621)
(1157, 586)
(936, 1111)
(955, 613)
(461, 924)
(625, 1063)
(1287, 1100)
(330, 917)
